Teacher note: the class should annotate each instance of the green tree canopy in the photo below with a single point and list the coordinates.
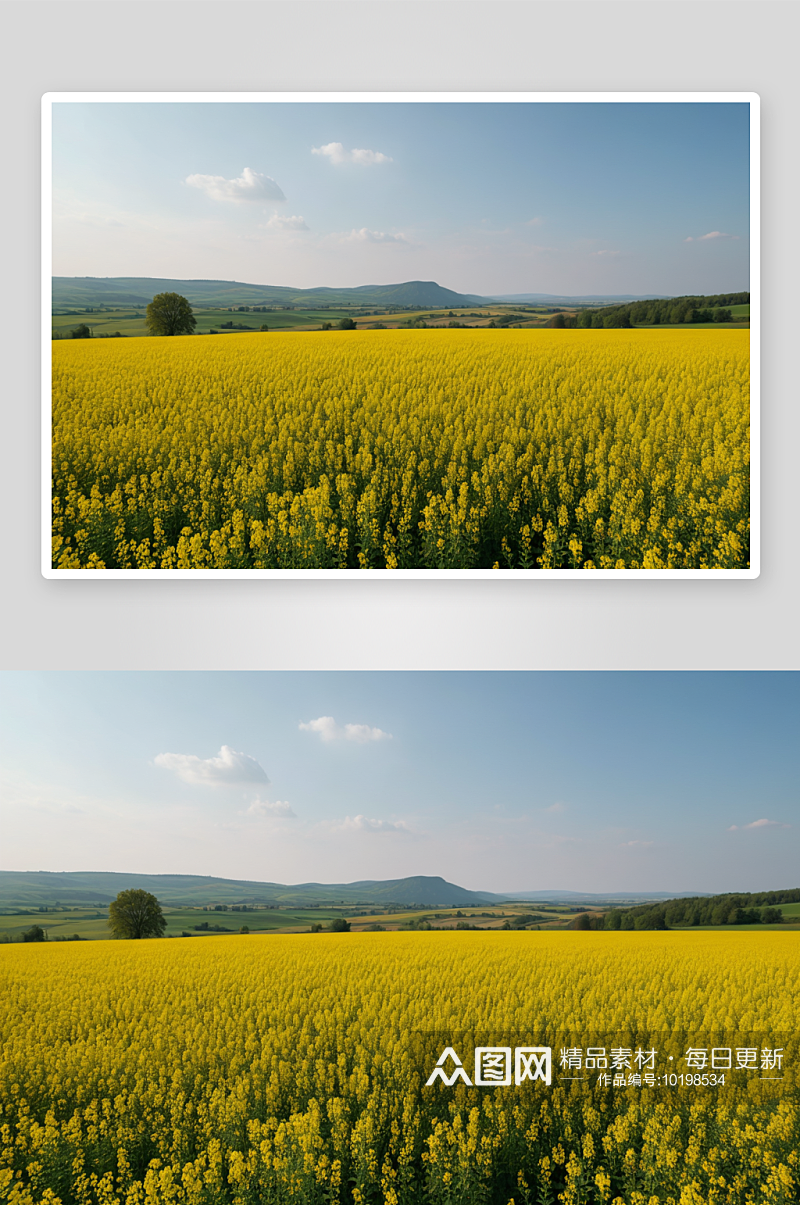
(134, 914)
(346, 324)
(170, 314)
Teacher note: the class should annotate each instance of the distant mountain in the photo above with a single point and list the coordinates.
(28, 889)
(430, 891)
(78, 292)
(413, 292)
(32, 888)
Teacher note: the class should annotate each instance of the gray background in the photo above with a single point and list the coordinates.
(441, 45)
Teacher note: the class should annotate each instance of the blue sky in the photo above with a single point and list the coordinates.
(483, 198)
(502, 781)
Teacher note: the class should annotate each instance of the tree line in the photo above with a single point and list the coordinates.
(735, 908)
(669, 310)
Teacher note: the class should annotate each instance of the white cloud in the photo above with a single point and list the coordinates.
(250, 186)
(556, 807)
(763, 823)
(534, 221)
(627, 844)
(364, 156)
(280, 809)
(712, 234)
(227, 768)
(371, 236)
(278, 222)
(363, 824)
(329, 730)
(335, 152)
(612, 254)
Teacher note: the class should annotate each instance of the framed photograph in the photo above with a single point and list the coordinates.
(313, 938)
(419, 334)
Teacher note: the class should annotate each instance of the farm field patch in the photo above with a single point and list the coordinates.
(258, 1070)
(90, 924)
(403, 449)
(105, 322)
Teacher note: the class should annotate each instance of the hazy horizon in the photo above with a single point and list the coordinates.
(477, 888)
(372, 284)
(489, 198)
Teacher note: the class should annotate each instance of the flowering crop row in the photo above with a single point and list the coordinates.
(273, 1070)
(403, 449)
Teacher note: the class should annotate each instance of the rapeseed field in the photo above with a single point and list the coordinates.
(258, 1070)
(619, 449)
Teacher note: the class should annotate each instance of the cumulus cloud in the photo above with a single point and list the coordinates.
(763, 823)
(250, 186)
(279, 222)
(335, 153)
(227, 768)
(712, 234)
(329, 730)
(363, 824)
(280, 809)
(611, 254)
(372, 236)
(628, 844)
(534, 221)
(556, 807)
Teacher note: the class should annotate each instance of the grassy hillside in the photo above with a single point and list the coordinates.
(64, 923)
(129, 321)
(81, 291)
(43, 888)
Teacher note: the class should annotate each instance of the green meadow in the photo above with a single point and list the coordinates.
(90, 924)
(129, 321)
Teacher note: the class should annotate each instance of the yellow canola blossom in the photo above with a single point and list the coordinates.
(403, 449)
(270, 1070)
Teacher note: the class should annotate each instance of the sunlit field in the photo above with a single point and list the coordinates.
(426, 449)
(294, 1069)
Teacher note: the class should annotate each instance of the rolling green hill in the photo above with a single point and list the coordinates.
(80, 292)
(36, 888)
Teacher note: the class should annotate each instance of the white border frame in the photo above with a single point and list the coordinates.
(750, 98)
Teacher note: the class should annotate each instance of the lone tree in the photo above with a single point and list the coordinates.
(136, 913)
(170, 314)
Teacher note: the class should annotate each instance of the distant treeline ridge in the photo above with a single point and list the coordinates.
(670, 311)
(741, 908)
